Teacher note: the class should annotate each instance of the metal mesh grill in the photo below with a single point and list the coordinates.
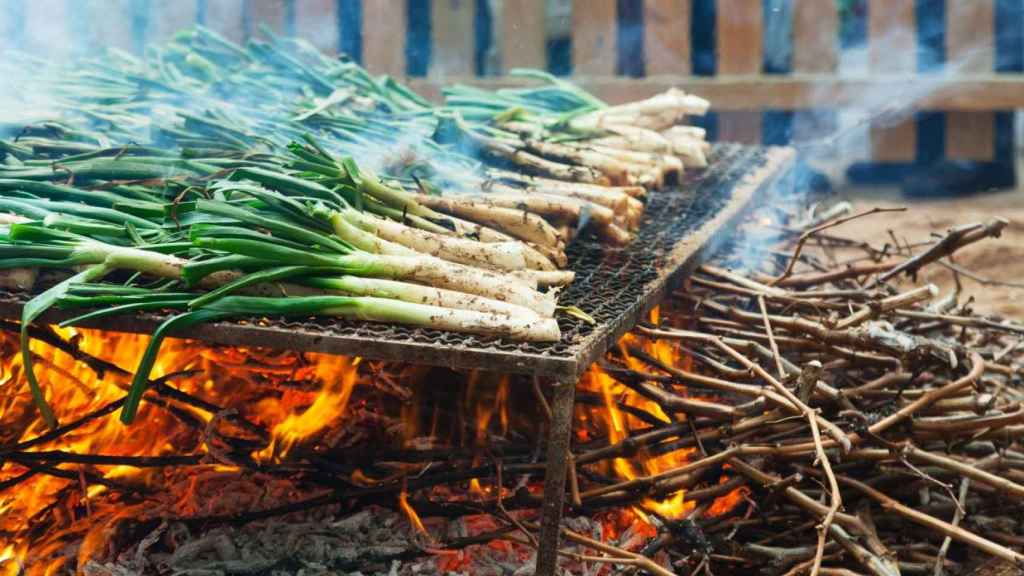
(615, 286)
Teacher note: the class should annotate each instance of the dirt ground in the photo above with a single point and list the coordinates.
(1000, 260)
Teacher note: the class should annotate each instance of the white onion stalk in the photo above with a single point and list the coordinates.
(537, 258)
(634, 138)
(618, 171)
(421, 268)
(517, 223)
(493, 255)
(126, 258)
(665, 163)
(559, 207)
(515, 328)
(695, 132)
(16, 278)
(416, 294)
(546, 278)
(572, 173)
(671, 102)
(442, 274)
(167, 266)
(556, 255)
(550, 183)
(373, 309)
(364, 240)
(426, 269)
(615, 201)
(691, 152)
(6, 218)
(550, 205)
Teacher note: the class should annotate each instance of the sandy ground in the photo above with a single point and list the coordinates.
(1000, 260)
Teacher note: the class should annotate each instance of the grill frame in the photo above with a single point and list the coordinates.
(666, 249)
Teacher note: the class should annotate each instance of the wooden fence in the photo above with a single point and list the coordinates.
(739, 89)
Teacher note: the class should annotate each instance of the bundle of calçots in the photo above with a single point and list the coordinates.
(223, 181)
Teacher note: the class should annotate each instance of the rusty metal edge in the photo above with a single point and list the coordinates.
(245, 334)
(691, 251)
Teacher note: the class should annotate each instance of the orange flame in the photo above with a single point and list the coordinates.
(300, 398)
(617, 423)
(483, 398)
(339, 374)
(726, 503)
(295, 395)
(414, 518)
(8, 561)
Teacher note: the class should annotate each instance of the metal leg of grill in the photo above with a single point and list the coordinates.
(554, 477)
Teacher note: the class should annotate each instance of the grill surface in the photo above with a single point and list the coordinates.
(615, 286)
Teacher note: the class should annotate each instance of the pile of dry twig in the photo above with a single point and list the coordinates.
(878, 427)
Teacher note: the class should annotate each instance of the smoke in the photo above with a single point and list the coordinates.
(29, 90)
(885, 80)
(886, 101)
(46, 77)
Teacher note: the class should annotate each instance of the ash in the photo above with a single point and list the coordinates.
(374, 540)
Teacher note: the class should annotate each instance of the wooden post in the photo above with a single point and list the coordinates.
(452, 36)
(523, 34)
(384, 37)
(815, 36)
(742, 126)
(316, 21)
(558, 454)
(594, 29)
(892, 50)
(667, 36)
(739, 36)
(740, 45)
(815, 51)
(970, 49)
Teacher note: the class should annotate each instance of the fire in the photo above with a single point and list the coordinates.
(8, 560)
(480, 402)
(616, 423)
(414, 518)
(476, 402)
(339, 374)
(724, 504)
(296, 396)
(280, 407)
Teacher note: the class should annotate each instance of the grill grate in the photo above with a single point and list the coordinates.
(615, 286)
